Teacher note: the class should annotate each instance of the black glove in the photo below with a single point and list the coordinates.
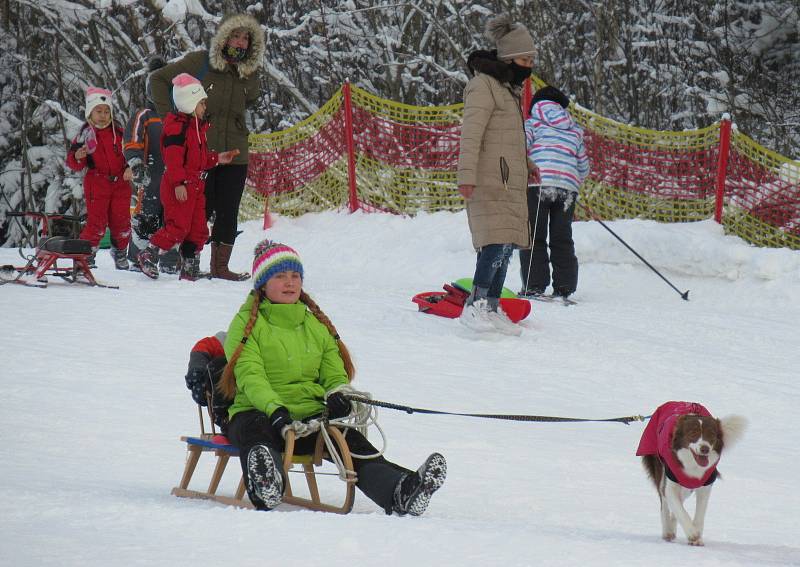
(196, 382)
(338, 405)
(279, 419)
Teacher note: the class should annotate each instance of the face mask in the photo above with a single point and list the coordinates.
(233, 54)
(519, 73)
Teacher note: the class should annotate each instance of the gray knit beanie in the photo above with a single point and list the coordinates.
(512, 40)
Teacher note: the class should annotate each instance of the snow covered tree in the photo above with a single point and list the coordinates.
(661, 64)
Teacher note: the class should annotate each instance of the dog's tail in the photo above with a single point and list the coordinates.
(733, 427)
(655, 470)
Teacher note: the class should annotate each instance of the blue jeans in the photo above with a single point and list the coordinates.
(490, 271)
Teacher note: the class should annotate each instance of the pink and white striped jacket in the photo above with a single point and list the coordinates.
(555, 145)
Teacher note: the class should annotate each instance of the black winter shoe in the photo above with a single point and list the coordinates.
(91, 261)
(413, 493)
(264, 479)
(120, 259)
(148, 262)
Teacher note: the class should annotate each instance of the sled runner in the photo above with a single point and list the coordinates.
(311, 465)
(450, 302)
(50, 250)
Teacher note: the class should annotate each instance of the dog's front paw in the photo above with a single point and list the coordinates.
(668, 536)
(697, 541)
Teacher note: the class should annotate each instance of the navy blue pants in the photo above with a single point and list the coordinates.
(490, 271)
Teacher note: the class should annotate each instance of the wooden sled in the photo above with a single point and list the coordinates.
(222, 450)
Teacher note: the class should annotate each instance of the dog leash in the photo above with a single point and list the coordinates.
(540, 418)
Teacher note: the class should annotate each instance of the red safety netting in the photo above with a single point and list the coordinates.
(361, 151)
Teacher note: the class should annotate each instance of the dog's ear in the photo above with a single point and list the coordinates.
(732, 427)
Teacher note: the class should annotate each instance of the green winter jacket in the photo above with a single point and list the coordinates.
(230, 88)
(289, 360)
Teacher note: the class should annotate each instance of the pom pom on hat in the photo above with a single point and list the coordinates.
(512, 40)
(187, 92)
(273, 258)
(95, 96)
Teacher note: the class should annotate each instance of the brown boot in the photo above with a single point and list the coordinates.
(220, 256)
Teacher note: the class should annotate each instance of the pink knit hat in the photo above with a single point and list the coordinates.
(187, 92)
(95, 96)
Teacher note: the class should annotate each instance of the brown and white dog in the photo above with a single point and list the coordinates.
(680, 449)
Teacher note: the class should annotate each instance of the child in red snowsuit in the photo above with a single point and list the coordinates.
(186, 156)
(106, 185)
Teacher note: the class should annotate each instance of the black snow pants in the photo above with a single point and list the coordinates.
(224, 188)
(555, 211)
(377, 478)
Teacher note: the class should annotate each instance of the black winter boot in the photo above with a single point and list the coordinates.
(120, 258)
(91, 261)
(190, 270)
(413, 493)
(264, 478)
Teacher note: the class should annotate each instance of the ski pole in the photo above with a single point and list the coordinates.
(684, 295)
(533, 236)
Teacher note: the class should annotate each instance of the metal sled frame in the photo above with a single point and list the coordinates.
(210, 443)
(45, 262)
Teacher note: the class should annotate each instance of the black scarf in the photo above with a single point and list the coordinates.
(519, 73)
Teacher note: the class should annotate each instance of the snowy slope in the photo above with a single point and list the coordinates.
(94, 404)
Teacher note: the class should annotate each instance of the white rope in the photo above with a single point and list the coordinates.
(360, 418)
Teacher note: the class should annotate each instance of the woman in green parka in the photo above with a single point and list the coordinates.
(229, 71)
(286, 363)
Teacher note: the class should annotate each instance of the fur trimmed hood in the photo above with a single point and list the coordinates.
(483, 61)
(255, 51)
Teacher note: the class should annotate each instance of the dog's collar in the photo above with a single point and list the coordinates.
(673, 478)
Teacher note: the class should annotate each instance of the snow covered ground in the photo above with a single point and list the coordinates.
(94, 403)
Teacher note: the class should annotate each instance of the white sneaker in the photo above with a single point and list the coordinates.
(476, 316)
(500, 322)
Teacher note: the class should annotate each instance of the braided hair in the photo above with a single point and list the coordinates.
(227, 384)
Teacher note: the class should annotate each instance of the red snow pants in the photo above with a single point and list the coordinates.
(184, 221)
(108, 205)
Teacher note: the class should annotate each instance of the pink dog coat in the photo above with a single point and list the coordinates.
(657, 440)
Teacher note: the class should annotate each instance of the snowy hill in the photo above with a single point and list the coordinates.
(94, 404)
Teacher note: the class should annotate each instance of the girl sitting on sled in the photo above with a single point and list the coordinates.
(286, 363)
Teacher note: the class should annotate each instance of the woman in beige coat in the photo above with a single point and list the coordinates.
(493, 168)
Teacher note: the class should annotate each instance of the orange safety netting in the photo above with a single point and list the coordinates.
(362, 151)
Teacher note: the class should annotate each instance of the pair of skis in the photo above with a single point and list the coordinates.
(566, 301)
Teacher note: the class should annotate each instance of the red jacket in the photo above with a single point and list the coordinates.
(657, 440)
(107, 159)
(185, 150)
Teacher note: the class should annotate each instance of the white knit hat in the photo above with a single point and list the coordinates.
(95, 96)
(187, 92)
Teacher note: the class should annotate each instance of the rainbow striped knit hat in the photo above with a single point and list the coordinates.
(273, 258)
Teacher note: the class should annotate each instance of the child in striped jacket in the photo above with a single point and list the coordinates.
(556, 149)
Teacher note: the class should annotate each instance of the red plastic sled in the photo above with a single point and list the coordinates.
(450, 302)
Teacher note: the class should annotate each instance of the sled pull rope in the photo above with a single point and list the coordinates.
(541, 418)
